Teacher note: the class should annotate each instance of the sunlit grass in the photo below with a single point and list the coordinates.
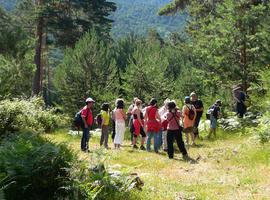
(231, 166)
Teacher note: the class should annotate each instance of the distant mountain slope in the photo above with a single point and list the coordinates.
(138, 16)
(8, 4)
(135, 16)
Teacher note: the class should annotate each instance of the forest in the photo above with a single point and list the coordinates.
(54, 54)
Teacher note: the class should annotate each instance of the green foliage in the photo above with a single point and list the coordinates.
(229, 39)
(85, 71)
(16, 58)
(145, 76)
(34, 168)
(100, 184)
(174, 7)
(28, 114)
(16, 77)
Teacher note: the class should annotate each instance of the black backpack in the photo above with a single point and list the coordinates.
(78, 121)
(99, 119)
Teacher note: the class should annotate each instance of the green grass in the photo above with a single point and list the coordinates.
(233, 166)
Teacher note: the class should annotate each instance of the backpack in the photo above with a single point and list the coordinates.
(99, 119)
(78, 121)
(209, 112)
(191, 113)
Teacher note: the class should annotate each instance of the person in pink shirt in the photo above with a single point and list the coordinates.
(120, 126)
(87, 118)
(174, 131)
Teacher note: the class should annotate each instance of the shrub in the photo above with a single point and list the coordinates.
(30, 114)
(97, 183)
(34, 168)
(263, 128)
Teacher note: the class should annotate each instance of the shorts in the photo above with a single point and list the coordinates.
(213, 122)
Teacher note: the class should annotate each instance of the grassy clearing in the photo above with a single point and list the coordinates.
(233, 166)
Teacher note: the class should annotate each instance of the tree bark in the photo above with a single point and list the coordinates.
(38, 78)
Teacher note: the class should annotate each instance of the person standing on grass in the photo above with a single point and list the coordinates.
(164, 123)
(153, 125)
(120, 117)
(130, 119)
(105, 115)
(215, 113)
(240, 97)
(87, 118)
(138, 124)
(189, 114)
(198, 104)
(174, 131)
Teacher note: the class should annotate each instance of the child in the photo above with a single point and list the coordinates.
(105, 115)
(174, 131)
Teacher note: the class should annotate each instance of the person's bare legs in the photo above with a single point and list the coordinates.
(187, 138)
(215, 131)
(192, 138)
(211, 132)
(143, 141)
(134, 140)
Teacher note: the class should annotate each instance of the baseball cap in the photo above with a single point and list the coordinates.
(89, 100)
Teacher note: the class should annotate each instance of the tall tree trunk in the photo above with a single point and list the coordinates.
(37, 82)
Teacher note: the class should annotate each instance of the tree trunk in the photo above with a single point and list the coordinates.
(37, 82)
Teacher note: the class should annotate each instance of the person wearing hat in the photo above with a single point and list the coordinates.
(87, 118)
(189, 115)
(214, 116)
(198, 104)
(240, 97)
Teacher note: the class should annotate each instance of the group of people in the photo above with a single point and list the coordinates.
(164, 124)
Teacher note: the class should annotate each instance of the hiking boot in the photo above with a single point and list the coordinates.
(142, 148)
(135, 146)
(186, 157)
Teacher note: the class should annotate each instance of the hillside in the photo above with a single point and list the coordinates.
(137, 16)
(8, 4)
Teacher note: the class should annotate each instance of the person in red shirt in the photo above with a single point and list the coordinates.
(87, 118)
(153, 124)
(138, 123)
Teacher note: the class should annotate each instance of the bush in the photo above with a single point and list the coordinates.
(33, 168)
(97, 183)
(30, 114)
(263, 128)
